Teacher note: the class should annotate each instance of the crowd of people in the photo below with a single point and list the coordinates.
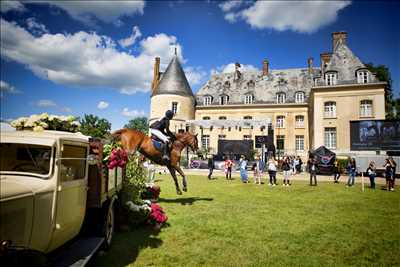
(292, 165)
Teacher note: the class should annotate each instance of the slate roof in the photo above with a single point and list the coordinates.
(289, 81)
(173, 81)
(263, 87)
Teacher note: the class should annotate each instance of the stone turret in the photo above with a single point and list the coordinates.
(172, 92)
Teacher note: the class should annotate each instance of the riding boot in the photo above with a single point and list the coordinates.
(166, 153)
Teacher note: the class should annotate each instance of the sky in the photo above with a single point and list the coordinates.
(97, 57)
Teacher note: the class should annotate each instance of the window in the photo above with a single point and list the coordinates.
(174, 107)
(222, 118)
(280, 120)
(280, 142)
(330, 138)
(206, 118)
(299, 121)
(247, 117)
(299, 97)
(221, 136)
(246, 137)
(73, 163)
(227, 84)
(366, 108)
(223, 99)
(248, 99)
(330, 78)
(362, 76)
(330, 109)
(280, 98)
(299, 142)
(207, 100)
(205, 141)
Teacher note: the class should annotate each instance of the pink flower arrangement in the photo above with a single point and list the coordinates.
(118, 158)
(157, 215)
(151, 192)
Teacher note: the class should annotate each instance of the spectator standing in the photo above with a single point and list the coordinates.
(210, 166)
(351, 168)
(371, 171)
(228, 163)
(312, 167)
(272, 171)
(394, 165)
(259, 166)
(243, 169)
(298, 166)
(336, 171)
(295, 164)
(286, 171)
(388, 174)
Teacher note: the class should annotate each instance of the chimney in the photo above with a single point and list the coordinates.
(325, 58)
(310, 62)
(338, 38)
(265, 67)
(156, 77)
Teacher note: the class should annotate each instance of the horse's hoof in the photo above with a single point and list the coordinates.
(184, 189)
(179, 192)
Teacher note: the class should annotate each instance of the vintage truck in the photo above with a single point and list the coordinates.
(53, 185)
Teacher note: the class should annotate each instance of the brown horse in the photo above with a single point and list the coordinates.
(132, 140)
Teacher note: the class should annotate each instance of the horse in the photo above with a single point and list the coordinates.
(133, 140)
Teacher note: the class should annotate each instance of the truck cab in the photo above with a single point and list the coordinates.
(48, 188)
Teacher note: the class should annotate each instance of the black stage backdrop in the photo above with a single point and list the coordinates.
(235, 147)
(375, 135)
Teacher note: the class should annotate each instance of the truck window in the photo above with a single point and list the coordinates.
(26, 158)
(73, 163)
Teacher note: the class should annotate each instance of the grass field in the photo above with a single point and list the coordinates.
(227, 223)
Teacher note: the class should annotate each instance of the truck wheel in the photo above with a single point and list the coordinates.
(108, 227)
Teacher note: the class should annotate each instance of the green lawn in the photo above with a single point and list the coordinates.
(227, 223)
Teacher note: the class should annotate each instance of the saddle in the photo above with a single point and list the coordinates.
(157, 143)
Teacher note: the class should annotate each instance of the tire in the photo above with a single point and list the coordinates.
(108, 226)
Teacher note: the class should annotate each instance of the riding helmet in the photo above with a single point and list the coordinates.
(169, 114)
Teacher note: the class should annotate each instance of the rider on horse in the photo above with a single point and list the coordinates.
(160, 129)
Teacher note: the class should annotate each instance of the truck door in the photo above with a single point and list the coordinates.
(71, 192)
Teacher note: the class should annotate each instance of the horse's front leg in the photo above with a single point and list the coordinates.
(184, 185)
(173, 174)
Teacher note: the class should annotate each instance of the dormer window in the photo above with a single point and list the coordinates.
(362, 76)
(280, 98)
(249, 99)
(207, 100)
(223, 99)
(251, 84)
(330, 78)
(227, 84)
(299, 97)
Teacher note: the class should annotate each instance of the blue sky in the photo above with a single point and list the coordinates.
(97, 57)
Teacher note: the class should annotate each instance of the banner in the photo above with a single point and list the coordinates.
(375, 135)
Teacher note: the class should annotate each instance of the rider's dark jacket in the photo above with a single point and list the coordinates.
(163, 126)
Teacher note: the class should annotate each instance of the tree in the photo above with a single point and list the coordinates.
(94, 126)
(140, 124)
(382, 73)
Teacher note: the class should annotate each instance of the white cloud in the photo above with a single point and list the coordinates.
(106, 11)
(87, 59)
(102, 105)
(195, 75)
(7, 88)
(229, 5)
(36, 27)
(136, 34)
(299, 16)
(6, 6)
(44, 103)
(133, 113)
(229, 68)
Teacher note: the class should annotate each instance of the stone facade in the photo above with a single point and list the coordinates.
(295, 102)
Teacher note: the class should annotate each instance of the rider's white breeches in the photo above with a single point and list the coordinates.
(160, 135)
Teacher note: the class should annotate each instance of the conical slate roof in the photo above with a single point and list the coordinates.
(173, 81)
